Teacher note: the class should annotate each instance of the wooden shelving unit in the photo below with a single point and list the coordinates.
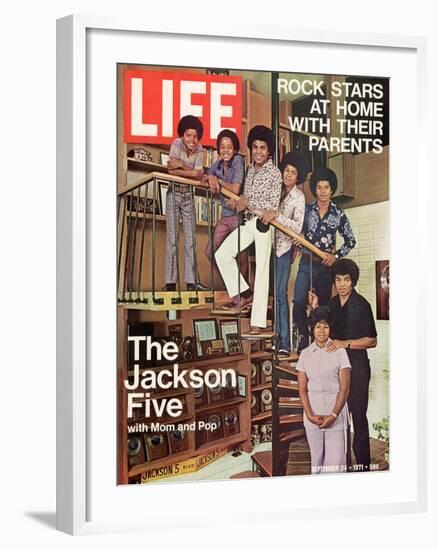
(192, 412)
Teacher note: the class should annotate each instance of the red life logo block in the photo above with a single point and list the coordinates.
(155, 101)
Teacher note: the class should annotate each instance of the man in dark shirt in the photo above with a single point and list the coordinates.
(353, 328)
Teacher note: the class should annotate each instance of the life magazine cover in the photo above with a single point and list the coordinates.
(253, 274)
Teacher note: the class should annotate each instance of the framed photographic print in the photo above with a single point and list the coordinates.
(205, 330)
(164, 159)
(233, 343)
(212, 348)
(241, 384)
(342, 103)
(227, 326)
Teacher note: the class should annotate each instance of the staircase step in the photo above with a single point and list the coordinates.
(263, 461)
(290, 402)
(285, 384)
(292, 436)
(265, 335)
(287, 370)
(291, 419)
(292, 358)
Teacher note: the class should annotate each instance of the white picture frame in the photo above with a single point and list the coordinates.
(88, 500)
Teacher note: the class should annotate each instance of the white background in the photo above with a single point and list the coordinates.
(27, 401)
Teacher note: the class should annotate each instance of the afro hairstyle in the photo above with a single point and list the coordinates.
(321, 313)
(261, 133)
(344, 266)
(229, 134)
(190, 122)
(323, 174)
(295, 159)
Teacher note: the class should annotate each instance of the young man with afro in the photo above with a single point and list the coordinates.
(323, 219)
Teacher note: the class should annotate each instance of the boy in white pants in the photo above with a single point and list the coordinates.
(262, 191)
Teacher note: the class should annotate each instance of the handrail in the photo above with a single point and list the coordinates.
(161, 175)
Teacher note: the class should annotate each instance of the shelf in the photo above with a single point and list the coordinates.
(162, 420)
(261, 416)
(262, 355)
(186, 365)
(221, 404)
(146, 165)
(217, 360)
(224, 442)
(261, 387)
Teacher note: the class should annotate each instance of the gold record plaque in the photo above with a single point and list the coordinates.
(201, 396)
(156, 446)
(230, 391)
(231, 422)
(266, 398)
(136, 450)
(216, 393)
(266, 371)
(177, 441)
(201, 432)
(216, 430)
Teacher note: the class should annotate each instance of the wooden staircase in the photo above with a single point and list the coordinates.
(290, 453)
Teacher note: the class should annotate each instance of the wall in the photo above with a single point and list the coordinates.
(371, 227)
(371, 179)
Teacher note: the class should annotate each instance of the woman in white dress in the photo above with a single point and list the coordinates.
(324, 384)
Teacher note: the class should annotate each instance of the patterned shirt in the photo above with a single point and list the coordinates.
(322, 232)
(195, 159)
(234, 175)
(291, 215)
(263, 190)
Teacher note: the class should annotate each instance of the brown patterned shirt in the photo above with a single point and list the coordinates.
(263, 190)
(291, 215)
